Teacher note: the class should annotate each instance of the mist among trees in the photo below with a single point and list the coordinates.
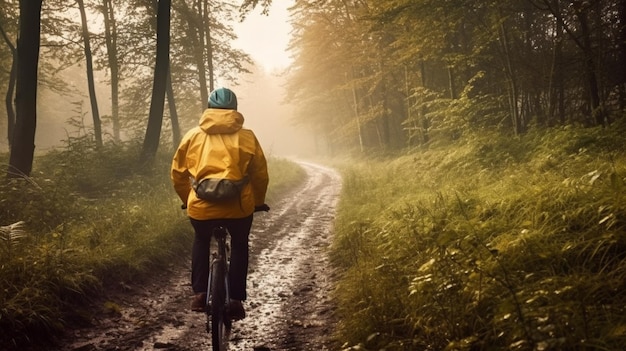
(391, 74)
(483, 197)
(116, 42)
(367, 75)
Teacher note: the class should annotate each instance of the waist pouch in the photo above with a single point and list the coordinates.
(219, 189)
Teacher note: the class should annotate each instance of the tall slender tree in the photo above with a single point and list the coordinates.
(23, 147)
(95, 113)
(161, 69)
(171, 102)
(621, 56)
(8, 101)
(110, 36)
(206, 20)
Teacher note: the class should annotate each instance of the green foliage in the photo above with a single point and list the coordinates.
(88, 220)
(421, 72)
(488, 244)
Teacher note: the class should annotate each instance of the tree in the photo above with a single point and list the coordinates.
(110, 35)
(326, 62)
(161, 70)
(11, 86)
(248, 5)
(464, 65)
(90, 79)
(205, 45)
(195, 33)
(171, 101)
(23, 146)
(621, 59)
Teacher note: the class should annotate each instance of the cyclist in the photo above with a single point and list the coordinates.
(219, 147)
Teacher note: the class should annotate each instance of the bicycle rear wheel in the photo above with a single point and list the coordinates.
(220, 325)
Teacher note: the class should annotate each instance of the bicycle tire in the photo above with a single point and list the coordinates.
(219, 324)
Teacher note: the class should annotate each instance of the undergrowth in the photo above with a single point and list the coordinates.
(85, 222)
(488, 244)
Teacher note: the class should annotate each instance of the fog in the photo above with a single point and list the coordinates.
(261, 95)
(261, 101)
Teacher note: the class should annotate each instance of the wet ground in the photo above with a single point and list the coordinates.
(288, 307)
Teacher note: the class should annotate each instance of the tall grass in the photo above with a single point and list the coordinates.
(488, 244)
(87, 221)
(284, 175)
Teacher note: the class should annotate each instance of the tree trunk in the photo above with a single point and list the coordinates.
(200, 49)
(171, 102)
(411, 124)
(557, 93)
(589, 68)
(195, 33)
(23, 149)
(161, 69)
(97, 127)
(425, 125)
(583, 41)
(209, 46)
(9, 100)
(355, 100)
(110, 35)
(622, 56)
(10, 88)
(512, 81)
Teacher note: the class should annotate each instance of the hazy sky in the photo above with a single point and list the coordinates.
(261, 96)
(265, 38)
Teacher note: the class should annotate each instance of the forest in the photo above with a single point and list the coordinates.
(378, 75)
(392, 74)
(525, 97)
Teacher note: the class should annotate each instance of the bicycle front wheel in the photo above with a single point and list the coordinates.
(220, 325)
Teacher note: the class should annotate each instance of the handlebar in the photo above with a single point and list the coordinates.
(263, 207)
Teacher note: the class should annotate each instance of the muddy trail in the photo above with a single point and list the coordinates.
(289, 281)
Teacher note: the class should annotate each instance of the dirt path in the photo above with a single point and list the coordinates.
(288, 305)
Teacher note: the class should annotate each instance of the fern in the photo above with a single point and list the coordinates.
(11, 236)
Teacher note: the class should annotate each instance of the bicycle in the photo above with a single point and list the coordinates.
(219, 323)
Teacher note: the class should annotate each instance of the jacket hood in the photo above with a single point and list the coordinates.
(220, 121)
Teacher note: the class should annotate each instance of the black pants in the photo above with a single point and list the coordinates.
(239, 229)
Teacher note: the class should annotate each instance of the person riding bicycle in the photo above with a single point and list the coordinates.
(220, 148)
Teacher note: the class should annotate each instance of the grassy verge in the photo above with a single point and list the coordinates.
(284, 175)
(489, 244)
(86, 221)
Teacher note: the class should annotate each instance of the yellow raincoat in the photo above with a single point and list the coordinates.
(220, 148)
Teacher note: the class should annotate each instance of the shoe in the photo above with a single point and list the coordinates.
(197, 304)
(235, 310)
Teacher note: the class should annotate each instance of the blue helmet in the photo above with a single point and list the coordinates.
(223, 98)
